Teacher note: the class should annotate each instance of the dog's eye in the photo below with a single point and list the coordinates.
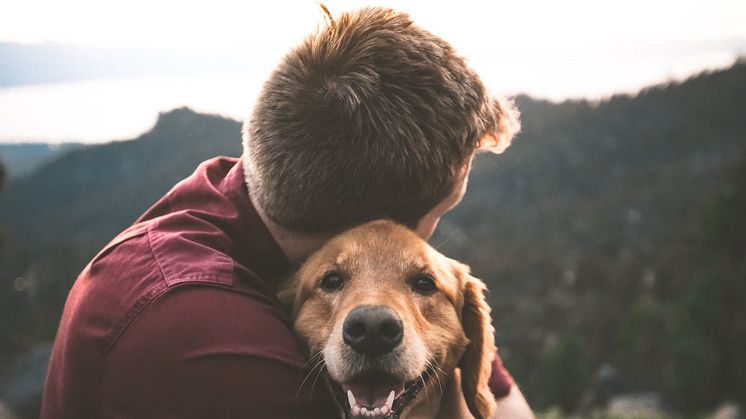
(331, 282)
(424, 284)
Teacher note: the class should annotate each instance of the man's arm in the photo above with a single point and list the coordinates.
(513, 405)
(209, 352)
(510, 400)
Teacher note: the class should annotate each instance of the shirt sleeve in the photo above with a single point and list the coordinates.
(500, 380)
(201, 351)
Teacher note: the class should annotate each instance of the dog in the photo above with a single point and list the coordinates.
(390, 320)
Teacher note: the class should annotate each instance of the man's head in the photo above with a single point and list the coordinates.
(369, 117)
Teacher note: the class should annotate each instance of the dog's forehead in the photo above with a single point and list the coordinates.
(384, 247)
(380, 241)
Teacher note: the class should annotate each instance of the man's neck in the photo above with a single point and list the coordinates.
(297, 246)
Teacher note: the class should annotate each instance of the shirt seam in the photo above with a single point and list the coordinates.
(152, 251)
(119, 327)
(167, 278)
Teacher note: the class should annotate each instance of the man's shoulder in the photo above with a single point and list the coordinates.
(199, 320)
(209, 352)
(168, 251)
(189, 249)
(141, 264)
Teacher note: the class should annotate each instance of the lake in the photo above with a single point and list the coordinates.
(121, 108)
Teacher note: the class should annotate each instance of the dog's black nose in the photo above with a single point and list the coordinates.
(372, 330)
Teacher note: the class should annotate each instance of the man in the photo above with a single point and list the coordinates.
(370, 117)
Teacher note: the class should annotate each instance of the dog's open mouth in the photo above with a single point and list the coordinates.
(376, 395)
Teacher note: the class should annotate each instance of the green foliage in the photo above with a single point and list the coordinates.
(587, 226)
(640, 343)
(694, 349)
(23, 158)
(565, 375)
(2, 184)
(723, 227)
(556, 413)
(709, 329)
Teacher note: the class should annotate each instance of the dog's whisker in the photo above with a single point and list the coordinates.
(433, 371)
(439, 370)
(318, 374)
(319, 363)
(424, 385)
(440, 376)
(440, 385)
(312, 359)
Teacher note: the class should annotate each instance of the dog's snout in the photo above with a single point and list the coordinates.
(372, 330)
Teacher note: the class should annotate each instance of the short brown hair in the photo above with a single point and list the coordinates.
(369, 117)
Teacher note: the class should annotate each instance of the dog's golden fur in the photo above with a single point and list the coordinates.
(448, 328)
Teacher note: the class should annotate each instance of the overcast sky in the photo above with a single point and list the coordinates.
(514, 40)
(480, 26)
(554, 49)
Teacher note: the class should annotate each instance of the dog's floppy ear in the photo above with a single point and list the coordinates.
(476, 363)
(289, 294)
(286, 294)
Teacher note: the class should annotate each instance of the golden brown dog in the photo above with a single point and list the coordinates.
(390, 319)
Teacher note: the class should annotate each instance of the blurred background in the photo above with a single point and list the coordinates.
(611, 233)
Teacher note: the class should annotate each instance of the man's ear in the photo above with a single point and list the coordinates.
(476, 363)
(507, 124)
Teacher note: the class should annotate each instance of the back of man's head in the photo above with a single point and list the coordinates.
(369, 117)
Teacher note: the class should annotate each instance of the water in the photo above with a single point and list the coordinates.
(110, 109)
(122, 108)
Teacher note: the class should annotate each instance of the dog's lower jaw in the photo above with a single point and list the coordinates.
(444, 401)
(421, 403)
(427, 404)
(426, 408)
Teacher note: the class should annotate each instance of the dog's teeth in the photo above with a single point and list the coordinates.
(355, 410)
(377, 411)
(384, 409)
(351, 398)
(364, 411)
(390, 400)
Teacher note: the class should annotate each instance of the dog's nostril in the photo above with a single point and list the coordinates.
(390, 329)
(372, 330)
(356, 330)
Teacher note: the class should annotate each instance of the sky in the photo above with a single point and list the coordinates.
(470, 25)
(550, 49)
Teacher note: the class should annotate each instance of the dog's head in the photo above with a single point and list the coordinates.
(389, 315)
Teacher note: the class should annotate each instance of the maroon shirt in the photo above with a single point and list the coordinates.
(177, 318)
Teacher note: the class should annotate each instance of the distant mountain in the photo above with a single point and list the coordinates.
(584, 229)
(57, 217)
(22, 158)
(90, 193)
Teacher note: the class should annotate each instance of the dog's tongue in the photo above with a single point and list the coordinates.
(373, 390)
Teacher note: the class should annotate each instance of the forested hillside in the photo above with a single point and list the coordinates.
(589, 229)
(610, 234)
(21, 159)
(56, 218)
